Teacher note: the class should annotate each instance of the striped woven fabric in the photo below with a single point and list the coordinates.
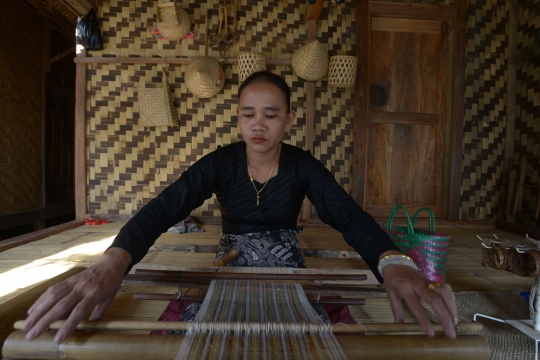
(262, 312)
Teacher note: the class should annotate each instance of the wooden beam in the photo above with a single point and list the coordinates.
(458, 110)
(79, 7)
(386, 117)
(314, 10)
(63, 54)
(170, 61)
(29, 216)
(310, 117)
(515, 228)
(362, 19)
(80, 139)
(37, 235)
(417, 11)
(510, 129)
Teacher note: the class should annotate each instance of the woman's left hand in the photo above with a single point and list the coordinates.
(406, 283)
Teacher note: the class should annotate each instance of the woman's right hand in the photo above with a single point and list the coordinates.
(90, 291)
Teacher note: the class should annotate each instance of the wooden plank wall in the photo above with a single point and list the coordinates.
(21, 101)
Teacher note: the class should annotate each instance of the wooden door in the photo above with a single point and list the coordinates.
(405, 130)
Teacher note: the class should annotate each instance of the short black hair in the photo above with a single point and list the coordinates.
(267, 76)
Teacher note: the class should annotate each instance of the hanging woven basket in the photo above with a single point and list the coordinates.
(204, 77)
(310, 62)
(342, 71)
(250, 63)
(173, 21)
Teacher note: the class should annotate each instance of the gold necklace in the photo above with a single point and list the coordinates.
(269, 175)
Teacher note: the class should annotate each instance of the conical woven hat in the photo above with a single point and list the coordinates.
(204, 77)
(310, 62)
(174, 28)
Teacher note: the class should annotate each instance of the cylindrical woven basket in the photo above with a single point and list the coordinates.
(342, 71)
(204, 77)
(496, 257)
(310, 62)
(250, 63)
(174, 22)
(525, 264)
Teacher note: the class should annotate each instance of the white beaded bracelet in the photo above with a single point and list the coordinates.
(396, 260)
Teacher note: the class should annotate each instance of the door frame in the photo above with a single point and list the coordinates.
(453, 14)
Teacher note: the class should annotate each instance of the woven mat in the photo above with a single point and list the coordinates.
(504, 340)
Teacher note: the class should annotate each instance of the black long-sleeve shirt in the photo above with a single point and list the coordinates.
(224, 172)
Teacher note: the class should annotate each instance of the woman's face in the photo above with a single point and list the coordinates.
(263, 116)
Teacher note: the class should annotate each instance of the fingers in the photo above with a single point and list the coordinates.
(100, 309)
(419, 313)
(442, 302)
(405, 283)
(80, 311)
(44, 305)
(397, 307)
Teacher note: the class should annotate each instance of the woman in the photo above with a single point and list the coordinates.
(260, 184)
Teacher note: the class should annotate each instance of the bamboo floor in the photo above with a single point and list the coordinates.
(24, 267)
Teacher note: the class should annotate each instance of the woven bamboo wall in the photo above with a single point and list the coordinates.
(527, 135)
(129, 164)
(485, 112)
(21, 104)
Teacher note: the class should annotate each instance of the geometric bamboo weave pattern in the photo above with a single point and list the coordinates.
(129, 164)
(485, 111)
(527, 126)
(279, 323)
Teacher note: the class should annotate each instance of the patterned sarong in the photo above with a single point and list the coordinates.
(277, 248)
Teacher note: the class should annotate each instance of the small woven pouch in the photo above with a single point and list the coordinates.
(156, 106)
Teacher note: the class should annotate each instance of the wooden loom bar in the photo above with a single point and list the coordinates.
(312, 288)
(89, 346)
(174, 297)
(249, 276)
(366, 328)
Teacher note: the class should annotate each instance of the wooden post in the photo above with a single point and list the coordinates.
(458, 110)
(310, 116)
(363, 21)
(46, 70)
(80, 139)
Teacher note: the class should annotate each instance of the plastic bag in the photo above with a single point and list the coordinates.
(88, 34)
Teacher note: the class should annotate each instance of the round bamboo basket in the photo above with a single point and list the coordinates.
(496, 257)
(525, 264)
(310, 62)
(175, 23)
(204, 77)
(250, 63)
(342, 71)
